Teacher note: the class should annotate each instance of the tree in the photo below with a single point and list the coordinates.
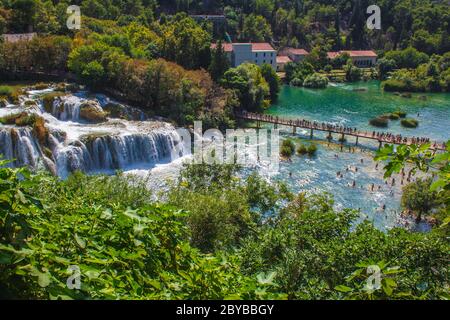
(315, 81)
(352, 73)
(219, 62)
(185, 42)
(419, 198)
(23, 15)
(256, 29)
(384, 67)
(272, 79)
(421, 158)
(250, 86)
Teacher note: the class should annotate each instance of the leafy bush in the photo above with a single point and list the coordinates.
(316, 81)
(410, 123)
(124, 246)
(310, 150)
(393, 116)
(381, 122)
(400, 114)
(5, 91)
(287, 148)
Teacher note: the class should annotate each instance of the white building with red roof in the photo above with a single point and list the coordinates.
(360, 58)
(258, 53)
(281, 62)
(296, 55)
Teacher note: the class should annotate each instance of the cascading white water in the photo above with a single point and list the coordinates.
(115, 152)
(72, 146)
(67, 108)
(20, 145)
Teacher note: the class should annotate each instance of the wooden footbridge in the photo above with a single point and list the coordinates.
(381, 137)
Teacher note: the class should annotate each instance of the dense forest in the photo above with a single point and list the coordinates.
(120, 42)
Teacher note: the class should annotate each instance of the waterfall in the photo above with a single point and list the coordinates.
(19, 144)
(67, 108)
(71, 145)
(115, 152)
(108, 152)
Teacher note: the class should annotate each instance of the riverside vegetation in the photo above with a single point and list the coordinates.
(214, 236)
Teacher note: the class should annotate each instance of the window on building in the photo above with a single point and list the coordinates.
(264, 54)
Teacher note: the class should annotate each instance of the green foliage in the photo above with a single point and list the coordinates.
(316, 81)
(185, 42)
(256, 29)
(352, 73)
(419, 198)
(219, 62)
(272, 79)
(313, 249)
(223, 210)
(380, 122)
(122, 253)
(421, 158)
(385, 66)
(250, 86)
(311, 150)
(5, 91)
(408, 58)
(363, 284)
(430, 76)
(287, 148)
(296, 73)
(409, 123)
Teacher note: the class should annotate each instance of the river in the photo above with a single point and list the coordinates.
(353, 105)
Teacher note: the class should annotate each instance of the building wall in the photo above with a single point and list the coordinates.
(364, 62)
(268, 57)
(280, 67)
(242, 52)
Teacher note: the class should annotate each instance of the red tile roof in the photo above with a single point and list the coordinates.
(298, 52)
(353, 53)
(283, 59)
(259, 46)
(262, 46)
(332, 55)
(361, 53)
(227, 47)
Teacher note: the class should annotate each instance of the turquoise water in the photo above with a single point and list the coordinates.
(346, 105)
